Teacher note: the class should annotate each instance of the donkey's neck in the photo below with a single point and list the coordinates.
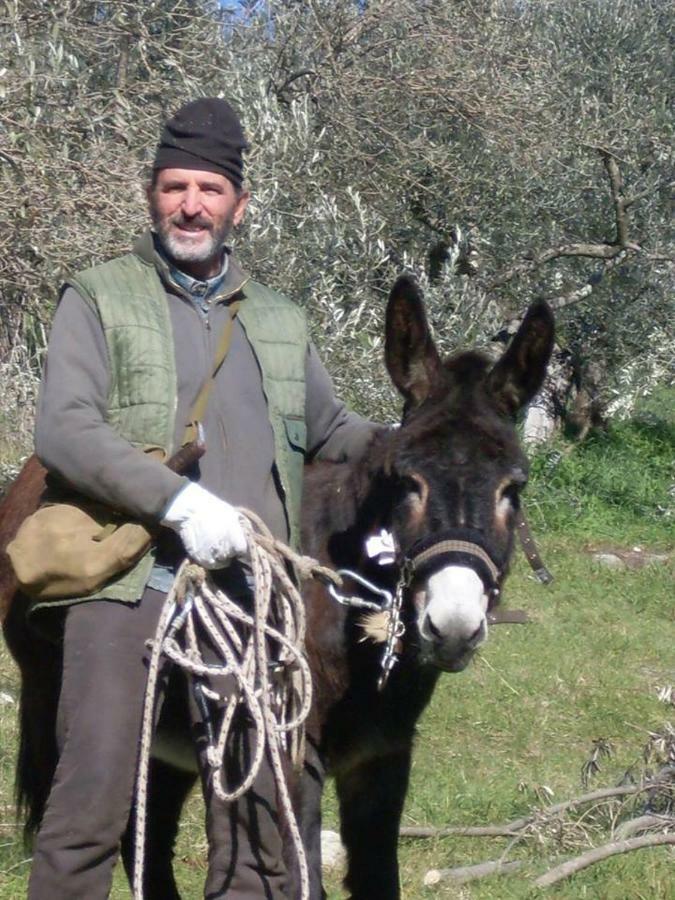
(344, 502)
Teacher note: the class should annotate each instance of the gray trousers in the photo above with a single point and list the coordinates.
(98, 729)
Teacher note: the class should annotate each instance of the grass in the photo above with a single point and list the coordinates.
(618, 485)
(515, 730)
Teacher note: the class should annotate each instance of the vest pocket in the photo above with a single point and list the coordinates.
(296, 433)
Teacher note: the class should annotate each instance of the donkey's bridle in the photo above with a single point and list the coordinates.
(456, 544)
(429, 555)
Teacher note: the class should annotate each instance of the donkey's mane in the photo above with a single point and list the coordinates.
(467, 367)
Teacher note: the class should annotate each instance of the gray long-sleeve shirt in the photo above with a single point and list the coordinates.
(73, 440)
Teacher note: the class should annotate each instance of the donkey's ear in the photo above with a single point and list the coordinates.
(518, 375)
(409, 352)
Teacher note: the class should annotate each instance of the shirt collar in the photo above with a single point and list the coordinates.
(200, 290)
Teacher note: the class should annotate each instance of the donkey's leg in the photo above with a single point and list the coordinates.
(168, 789)
(371, 799)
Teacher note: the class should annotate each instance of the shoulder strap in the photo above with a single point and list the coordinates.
(199, 407)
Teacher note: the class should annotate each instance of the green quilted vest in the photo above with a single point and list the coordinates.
(130, 300)
(277, 331)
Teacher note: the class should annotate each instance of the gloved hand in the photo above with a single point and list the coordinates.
(208, 526)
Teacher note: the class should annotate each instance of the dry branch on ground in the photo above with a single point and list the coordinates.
(539, 823)
(564, 870)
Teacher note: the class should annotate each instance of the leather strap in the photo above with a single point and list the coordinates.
(200, 404)
(443, 547)
(530, 549)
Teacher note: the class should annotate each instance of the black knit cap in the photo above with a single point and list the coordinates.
(205, 134)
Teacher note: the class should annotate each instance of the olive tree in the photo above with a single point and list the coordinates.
(499, 150)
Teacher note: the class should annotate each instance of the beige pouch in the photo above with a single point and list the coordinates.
(67, 550)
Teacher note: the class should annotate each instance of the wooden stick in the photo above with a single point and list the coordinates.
(643, 823)
(462, 874)
(508, 830)
(564, 870)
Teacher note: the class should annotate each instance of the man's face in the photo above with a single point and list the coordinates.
(193, 212)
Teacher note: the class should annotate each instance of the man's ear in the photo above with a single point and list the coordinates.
(240, 208)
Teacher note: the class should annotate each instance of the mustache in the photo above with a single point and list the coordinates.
(197, 221)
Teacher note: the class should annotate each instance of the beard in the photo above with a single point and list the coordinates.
(201, 248)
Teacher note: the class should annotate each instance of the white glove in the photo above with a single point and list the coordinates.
(208, 526)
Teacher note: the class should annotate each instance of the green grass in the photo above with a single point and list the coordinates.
(618, 485)
(520, 723)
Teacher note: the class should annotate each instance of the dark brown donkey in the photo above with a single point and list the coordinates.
(445, 486)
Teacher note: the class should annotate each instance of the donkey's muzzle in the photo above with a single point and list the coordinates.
(452, 621)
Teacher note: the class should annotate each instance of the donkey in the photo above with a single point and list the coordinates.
(444, 488)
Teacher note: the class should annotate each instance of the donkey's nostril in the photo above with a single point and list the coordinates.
(433, 631)
(478, 636)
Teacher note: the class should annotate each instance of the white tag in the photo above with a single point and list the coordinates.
(380, 547)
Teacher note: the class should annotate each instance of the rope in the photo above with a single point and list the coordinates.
(246, 644)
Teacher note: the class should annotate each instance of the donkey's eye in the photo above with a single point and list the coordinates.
(512, 485)
(508, 492)
(518, 477)
(511, 493)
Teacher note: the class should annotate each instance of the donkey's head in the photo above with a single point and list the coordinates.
(454, 470)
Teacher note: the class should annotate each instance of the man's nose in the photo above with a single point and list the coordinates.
(192, 203)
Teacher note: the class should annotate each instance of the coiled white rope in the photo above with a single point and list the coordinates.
(246, 644)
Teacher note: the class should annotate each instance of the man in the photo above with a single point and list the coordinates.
(132, 343)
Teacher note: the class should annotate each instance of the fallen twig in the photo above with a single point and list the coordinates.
(462, 874)
(604, 794)
(564, 870)
(508, 830)
(643, 823)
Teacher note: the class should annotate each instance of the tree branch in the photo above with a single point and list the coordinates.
(507, 830)
(625, 790)
(563, 300)
(643, 823)
(564, 870)
(616, 185)
(591, 251)
(606, 252)
(462, 874)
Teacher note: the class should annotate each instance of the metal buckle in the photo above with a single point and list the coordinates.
(543, 575)
(359, 602)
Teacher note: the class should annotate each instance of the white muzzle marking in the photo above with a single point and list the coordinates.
(457, 607)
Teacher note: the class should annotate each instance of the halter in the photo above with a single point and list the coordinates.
(455, 545)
